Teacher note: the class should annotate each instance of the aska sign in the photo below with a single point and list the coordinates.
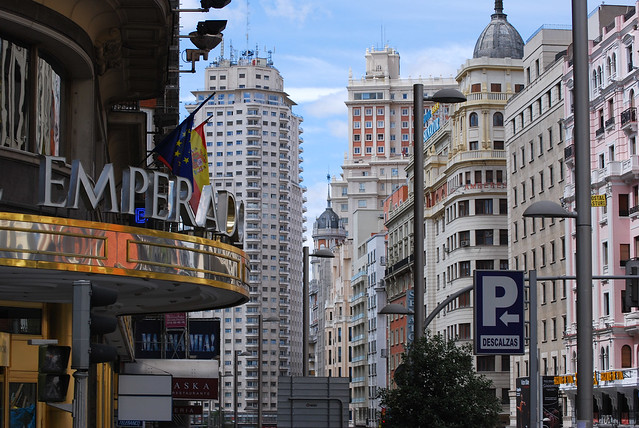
(193, 388)
(499, 312)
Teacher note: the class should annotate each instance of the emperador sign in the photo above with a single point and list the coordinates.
(217, 213)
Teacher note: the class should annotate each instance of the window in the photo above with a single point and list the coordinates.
(484, 237)
(485, 363)
(483, 206)
(473, 120)
(626, 357)
(464, 268)
(475, 87)
(498, 119)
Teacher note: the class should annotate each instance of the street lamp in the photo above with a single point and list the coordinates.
(448, 96)
(583, 235)
(321, 253)
(237, 354)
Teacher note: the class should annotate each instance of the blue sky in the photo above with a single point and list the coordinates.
(315, 44)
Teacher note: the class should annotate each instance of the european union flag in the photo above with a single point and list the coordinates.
(175, 150)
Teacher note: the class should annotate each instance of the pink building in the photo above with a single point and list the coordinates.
(615, 179)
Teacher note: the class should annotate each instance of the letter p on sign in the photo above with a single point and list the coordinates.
(499, 292)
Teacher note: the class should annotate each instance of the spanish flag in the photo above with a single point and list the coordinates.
(200, 164)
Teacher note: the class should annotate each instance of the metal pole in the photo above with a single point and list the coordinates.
(532, 347)
(418, 207)
(583, 263)
(305, 310)
(259, 372)
(80, 351)
(235, 390)
(219, 400)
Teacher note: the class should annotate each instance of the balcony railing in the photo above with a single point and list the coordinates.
(610, 122)
(599, 132)
(629, 115)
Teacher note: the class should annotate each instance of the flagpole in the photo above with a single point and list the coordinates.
(192, 114)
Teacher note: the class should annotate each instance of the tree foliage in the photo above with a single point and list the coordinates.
(437, 386)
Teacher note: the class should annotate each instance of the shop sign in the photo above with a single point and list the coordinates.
(193, 388)
(166, 199)
(187, 410)
(431, 129)
(177, 320)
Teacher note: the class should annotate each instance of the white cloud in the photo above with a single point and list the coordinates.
(293, 10)
(310, 94)
(441, 61)
(331, 104)
(316, 204)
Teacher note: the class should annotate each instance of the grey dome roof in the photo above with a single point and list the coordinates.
(327, 220)
(499, 39)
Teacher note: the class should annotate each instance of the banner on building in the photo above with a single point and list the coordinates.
(198, 339)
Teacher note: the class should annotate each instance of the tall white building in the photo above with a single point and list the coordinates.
(253, 144)
(380, 144)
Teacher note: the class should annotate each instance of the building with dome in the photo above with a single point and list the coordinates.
(328, 233)
(499, 39)
(466, 221)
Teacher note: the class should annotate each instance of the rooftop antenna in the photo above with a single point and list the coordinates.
(247, 24)
(328, 198)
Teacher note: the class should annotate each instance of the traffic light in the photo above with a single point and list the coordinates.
(86, 324)
(216, 4)
(631, 294)
(53, 380)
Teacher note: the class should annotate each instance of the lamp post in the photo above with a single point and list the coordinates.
(448, 96)
(237, 354)
(322, 253)
(583, 235)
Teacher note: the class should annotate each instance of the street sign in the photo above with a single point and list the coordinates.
(598, 200)
(499, 312)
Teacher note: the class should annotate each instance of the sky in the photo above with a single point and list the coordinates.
(317, 44)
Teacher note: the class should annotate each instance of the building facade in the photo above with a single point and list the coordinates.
(466, 213)
(253, 147)
(614, 166)
(535, 147)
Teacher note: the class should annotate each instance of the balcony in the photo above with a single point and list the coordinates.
(600, 132)
(629, 120)
(609, 122)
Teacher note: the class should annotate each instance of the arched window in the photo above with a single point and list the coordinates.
(473, 120)
(498, 119)
(608, 67)
(594, 79)
(631, 97)
(626, 357)
(613, 64)
(599, 77)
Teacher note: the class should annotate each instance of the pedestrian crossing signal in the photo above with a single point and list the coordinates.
(53, 380)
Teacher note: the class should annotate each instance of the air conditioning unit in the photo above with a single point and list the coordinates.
(465, 243)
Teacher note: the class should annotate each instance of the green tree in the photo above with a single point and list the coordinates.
(437, 386)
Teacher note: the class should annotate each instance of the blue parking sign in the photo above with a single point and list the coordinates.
(499, 312)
